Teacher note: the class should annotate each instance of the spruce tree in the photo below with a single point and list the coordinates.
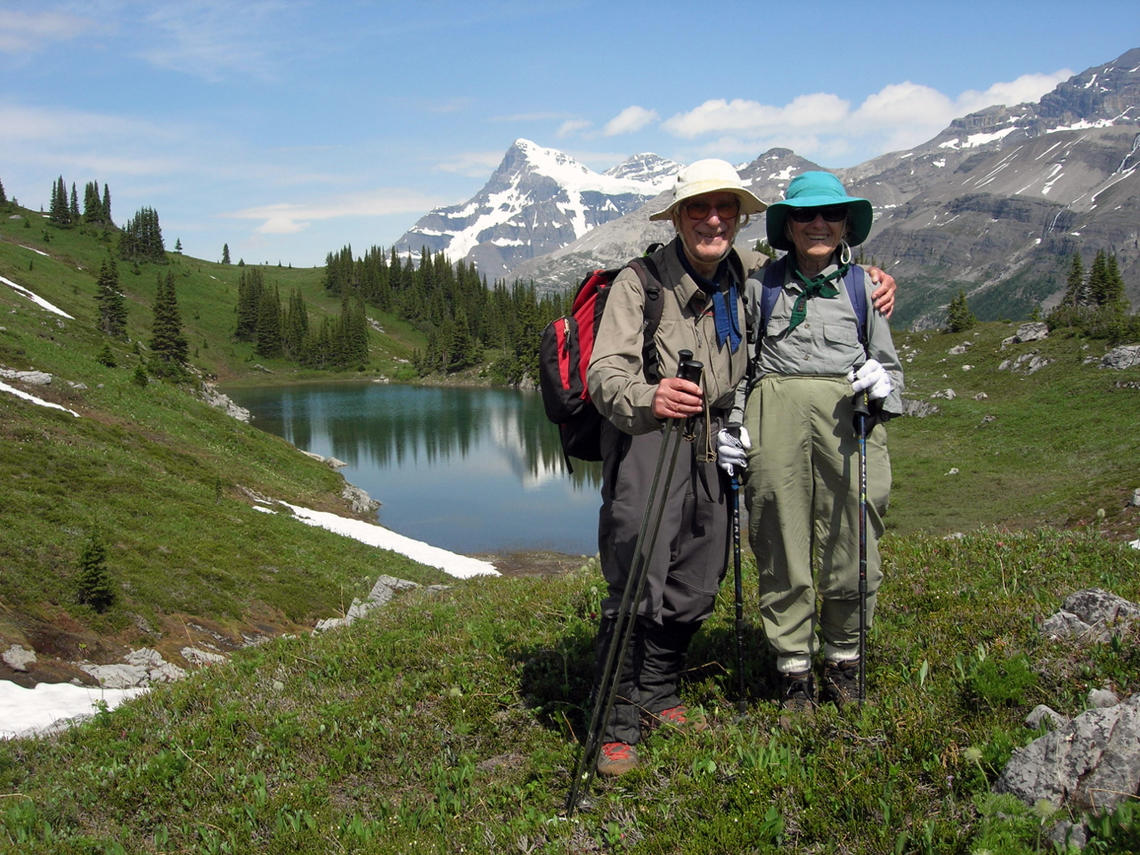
(959, 317)
(296, 326)
(92, 205)
(1075, 291)
(57, 212)
(141, 238)
(269, 324)
(250, 285)
(167, 342)
(1098, 280)
(73, 206)
(106, 206)
(108, 296)
(95, 587)
(3, 195)
(225, 253)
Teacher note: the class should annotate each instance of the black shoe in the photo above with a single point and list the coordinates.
(797, 691)
(840, 683)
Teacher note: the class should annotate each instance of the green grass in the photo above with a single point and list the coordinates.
(447, 721)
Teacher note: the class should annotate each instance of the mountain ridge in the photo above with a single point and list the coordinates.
(993, 205)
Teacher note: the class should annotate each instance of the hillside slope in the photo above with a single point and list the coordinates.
(166, 482)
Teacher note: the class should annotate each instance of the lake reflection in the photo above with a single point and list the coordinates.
(470, 470)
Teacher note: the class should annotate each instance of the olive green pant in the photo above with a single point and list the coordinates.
(803, 503)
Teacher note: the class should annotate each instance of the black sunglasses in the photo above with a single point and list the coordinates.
(833, 214)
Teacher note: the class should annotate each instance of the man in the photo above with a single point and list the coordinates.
(702, 280)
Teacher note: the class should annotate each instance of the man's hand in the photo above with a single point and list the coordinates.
(676, 398)
(884, 295)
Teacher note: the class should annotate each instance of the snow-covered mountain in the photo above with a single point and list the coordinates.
(538, 200)
(994, 205)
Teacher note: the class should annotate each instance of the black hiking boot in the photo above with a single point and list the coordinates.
(840, 683)
(797, 692)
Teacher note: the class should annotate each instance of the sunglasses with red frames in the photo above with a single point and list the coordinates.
(700, 209)
(833, 214)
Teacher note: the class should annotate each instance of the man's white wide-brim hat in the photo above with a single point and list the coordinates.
(710, 176)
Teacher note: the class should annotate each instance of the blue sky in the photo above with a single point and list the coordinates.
(291, 129)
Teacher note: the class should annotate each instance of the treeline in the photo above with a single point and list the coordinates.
(63, 210)
(285, 331)
(461, 317)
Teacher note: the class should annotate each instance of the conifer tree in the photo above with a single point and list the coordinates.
(106, 206)
(250, 285)
(1098, 280)
(141, 238)
(108, 296)
(269, 324)
(57, 212)
(167, 340)
(225, 253)
(1075, 291)
(3, 195)
(95, 587)
(73, 206)
(92, 204)
(295, 327)
(959, 316)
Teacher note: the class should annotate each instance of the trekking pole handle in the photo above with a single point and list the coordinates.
(688, 368)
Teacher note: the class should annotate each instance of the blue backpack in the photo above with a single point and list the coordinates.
(773, 283)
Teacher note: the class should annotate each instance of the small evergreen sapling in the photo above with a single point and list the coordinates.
(96, 588)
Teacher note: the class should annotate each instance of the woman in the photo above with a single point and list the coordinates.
(809, 359)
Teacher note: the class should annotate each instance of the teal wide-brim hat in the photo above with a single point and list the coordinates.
(818, 190)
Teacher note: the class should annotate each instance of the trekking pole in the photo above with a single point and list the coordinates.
(862, 412)
(622, 633)
(741, 702)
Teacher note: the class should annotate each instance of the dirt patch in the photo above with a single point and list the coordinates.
(533, 562)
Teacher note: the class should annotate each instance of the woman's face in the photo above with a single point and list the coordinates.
(816, 233)
(707, 225)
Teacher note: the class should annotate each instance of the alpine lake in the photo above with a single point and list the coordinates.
(471, 470)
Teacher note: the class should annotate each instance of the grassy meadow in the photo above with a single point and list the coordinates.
(447, 721)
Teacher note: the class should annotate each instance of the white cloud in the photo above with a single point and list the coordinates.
(27, 32)
(823, 126)
(751, 117)
(629, 120)
(1027, 88)
(290, 217)
(472, 164)
(573, 126)
(210, 38)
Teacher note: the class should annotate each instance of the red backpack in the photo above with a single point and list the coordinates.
(564, 355)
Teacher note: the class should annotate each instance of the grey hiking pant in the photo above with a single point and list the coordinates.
(686, 564)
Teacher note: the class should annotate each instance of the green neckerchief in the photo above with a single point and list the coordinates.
(817, 286)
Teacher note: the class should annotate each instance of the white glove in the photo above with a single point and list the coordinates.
(872, 377)
(732, 450)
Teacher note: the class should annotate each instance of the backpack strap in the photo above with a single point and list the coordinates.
(647, 273)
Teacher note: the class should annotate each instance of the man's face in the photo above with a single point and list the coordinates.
(707, 225)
